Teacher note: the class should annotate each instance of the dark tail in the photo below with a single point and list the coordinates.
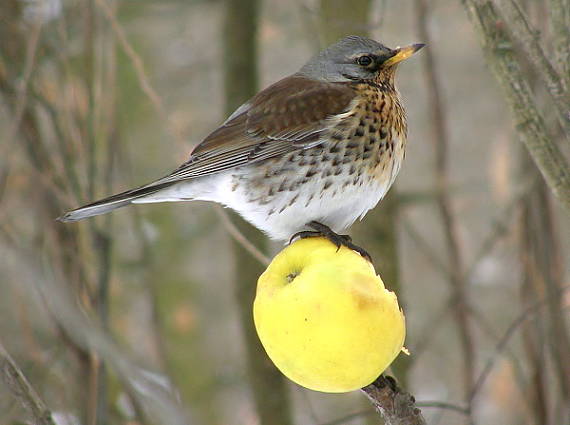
(111, 203)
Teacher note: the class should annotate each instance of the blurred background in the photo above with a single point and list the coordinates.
(144, 316)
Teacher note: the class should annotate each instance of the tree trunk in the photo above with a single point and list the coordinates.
(240, 77)
(546, 337)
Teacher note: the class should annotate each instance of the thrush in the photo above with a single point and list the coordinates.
(317, 149)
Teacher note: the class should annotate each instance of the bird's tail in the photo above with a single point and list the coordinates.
(113, 202)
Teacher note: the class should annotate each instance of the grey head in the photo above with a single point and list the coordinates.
(354, 58)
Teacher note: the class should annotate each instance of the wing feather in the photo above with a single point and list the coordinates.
(290, 115)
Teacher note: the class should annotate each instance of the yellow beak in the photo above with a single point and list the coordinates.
(403, 53)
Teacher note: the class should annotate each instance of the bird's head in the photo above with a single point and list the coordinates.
(356, 58)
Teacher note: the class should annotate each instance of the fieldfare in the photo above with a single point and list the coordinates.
(317, 149)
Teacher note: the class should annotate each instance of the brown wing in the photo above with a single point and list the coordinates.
(290, 115)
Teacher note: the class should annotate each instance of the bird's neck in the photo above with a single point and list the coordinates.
(385, 79)
(385, 98)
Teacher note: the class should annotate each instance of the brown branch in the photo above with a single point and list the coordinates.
(139, 68)
(15, 380)
(396, 406)
(428, 404)
(528, 36)
(446, 406)
(543, 272)
(440, 138)
(240, 238)
(343, 420)
(497, 46)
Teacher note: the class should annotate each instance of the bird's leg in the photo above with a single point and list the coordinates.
(326, 232)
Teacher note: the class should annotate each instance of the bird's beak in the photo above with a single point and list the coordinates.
(403, 53)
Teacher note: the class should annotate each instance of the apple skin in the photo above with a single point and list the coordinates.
(325, 318)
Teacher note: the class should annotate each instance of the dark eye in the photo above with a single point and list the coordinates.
(364, 60)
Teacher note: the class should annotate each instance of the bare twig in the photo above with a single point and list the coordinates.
(22, 88)
(396, 406)
(20, 102)
(497, 46)
(484, 325)
(533, 336)
(15, 380)
(240, 238)
(90, 58)
(528, 313)
(427, 404)
(529, 37)
(155, 99)
(440, 139)
(501, 225)
(142, 76)
(157, 396)
(444, 405)
(347, 418)
(421, 244)
(430, 327)
(498, 229)
(543, 272)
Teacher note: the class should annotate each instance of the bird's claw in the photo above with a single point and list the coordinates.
(326, 232)
(304, 234)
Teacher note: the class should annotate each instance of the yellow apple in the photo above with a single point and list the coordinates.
(325, 318)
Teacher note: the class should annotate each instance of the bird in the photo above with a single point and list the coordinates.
(316, 150)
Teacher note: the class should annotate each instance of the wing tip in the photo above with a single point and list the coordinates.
(68, 217)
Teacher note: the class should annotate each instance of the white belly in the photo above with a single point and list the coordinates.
(336, 201)
(337, 207)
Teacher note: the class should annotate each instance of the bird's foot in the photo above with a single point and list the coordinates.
(326, 232)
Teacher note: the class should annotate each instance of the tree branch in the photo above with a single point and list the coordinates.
(240, 238)
(497, 46)
(560, 21)
(15, 380)
(528, 36)
(396, 406)
(142, 76)
(527, 314)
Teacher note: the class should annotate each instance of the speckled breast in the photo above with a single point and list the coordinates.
(366, 144)
(373, 135)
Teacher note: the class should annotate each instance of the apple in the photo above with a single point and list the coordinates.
(325, 318)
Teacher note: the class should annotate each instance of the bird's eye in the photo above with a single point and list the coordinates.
(364, 60)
